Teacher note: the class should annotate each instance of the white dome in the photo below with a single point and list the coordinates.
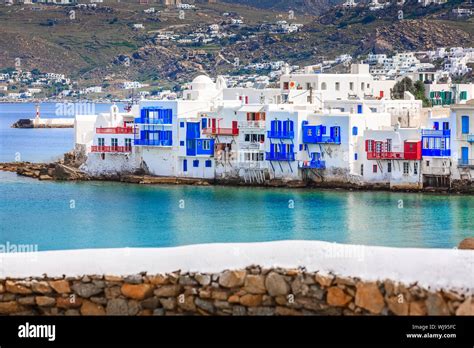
(202, 82)
(202, 79)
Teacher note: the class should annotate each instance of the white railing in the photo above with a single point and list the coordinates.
(252, 124)
(252, 146)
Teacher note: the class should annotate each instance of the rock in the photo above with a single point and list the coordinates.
(112, 292)
(60, 286)
(234, 299)
(219, 295)
(239, 311)
(231, 279)
(117, 306)
(324, 281)
(168, 291)
(205, 305)
(86, 290)
(255, 284)
(250, 300)
(17, 288)
(91, 308)
(41, 287)
(466, 308)
(298, 286)
(45, 301)
(27, 301)
(276, 285)
(2, 288)
(203, 279)
(45, 177)
(99, 300)
(72, 313)
(62, 172)
(467, 244)
(159, 312)
(368, 296)
(158, 279)
(10, 307)
(150, 303)
(112, 278)
(137, 292)
(134, 279)
(168, 303)
(316, 291)
(337, 297)
(417, 308)
(204, 293)
(398, 307)
(435, 305)
(68, 302)
(284, 311)
(186, 280)
(261, 311)
(188, 304)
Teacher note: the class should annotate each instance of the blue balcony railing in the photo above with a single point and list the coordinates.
(316, 164)
(280, 156)
(146, 142)
(281, 134)
(436, 153)
(444, 133)
(157, 121)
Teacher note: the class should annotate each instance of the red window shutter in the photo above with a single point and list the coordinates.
(367, 145)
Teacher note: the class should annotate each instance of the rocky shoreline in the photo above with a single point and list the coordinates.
(68, 170)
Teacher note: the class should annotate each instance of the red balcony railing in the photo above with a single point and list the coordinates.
(114, 130)
(117, 149)
(385, 155)
(220, 131)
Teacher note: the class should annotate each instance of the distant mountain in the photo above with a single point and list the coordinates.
(313, 7)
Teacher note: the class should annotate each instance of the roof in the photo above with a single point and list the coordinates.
(251, 108)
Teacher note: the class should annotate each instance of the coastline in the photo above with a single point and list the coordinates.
(68, 171)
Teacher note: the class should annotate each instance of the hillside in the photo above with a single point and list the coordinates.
(101, 46)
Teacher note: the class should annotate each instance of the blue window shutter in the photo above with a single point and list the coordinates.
(465, 124)
(355, 156)
(301, 147)
(208, 164)
(181, 143)
(359, 109)
(354, 130)
(204, 123)
(436, 125)
(181, 124)
(185, 165)
(196, 163)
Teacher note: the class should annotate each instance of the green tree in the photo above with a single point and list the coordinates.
(407, 85)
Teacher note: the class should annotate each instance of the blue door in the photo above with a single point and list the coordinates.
(359, 109)
(465, 124)
(185, 165)
(464, 155)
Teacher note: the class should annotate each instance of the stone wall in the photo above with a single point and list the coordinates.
(253, 291)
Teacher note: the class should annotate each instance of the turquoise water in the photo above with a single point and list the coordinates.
(107, 215)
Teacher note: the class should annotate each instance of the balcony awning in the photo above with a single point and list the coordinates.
(251, 108)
